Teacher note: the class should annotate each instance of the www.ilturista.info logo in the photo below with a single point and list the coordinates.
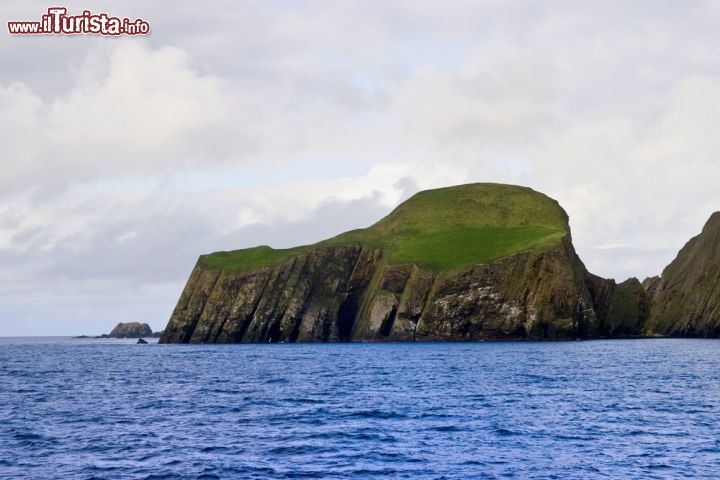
(58, 22)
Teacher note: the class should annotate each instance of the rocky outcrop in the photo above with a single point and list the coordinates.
(686, 297)
(622, 309)
(131, 330)
(351, 293)
(472, 262)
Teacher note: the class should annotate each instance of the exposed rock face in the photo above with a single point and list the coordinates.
(686, 298)
(471, 262)
(351, 293)
(131, 330)
(622, 309)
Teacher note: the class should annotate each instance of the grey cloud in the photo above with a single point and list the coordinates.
(331, 218)
(80, 277)
(408, 187)
(609, 107)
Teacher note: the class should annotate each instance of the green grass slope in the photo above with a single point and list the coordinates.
(439, 230)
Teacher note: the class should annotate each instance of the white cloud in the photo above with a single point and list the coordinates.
(275, 123)
(132, 111)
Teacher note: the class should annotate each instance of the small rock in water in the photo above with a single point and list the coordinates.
(141, 341)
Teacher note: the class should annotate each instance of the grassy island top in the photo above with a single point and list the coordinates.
(438, 229)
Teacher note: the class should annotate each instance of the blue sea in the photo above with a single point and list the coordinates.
(105, 409)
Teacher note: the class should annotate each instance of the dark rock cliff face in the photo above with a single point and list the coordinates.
(351, 293)
(686, 298)
(622, 308)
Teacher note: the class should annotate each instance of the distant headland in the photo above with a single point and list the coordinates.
(129, 330)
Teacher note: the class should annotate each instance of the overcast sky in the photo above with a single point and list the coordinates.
(238, 123)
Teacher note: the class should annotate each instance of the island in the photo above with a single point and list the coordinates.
(464, 263)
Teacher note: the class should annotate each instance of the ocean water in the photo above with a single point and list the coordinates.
(103, 409)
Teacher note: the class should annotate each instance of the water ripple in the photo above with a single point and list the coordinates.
(606, 409)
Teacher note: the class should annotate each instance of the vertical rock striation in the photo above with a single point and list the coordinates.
(686, 297)
(466, 263)
(351, 293)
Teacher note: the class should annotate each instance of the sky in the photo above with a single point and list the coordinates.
(241, 123)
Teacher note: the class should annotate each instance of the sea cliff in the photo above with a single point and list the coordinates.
(686, 297)
(473, 262)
